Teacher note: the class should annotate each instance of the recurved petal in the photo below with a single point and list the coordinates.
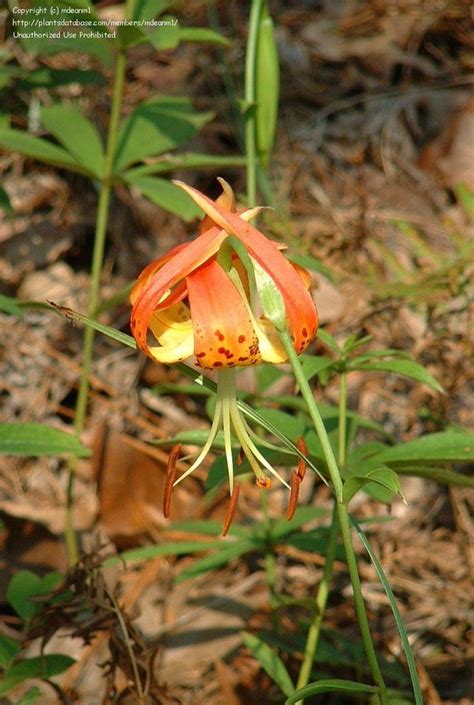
(158, 281)
(151, 269)
(300, 309)
(224, 334)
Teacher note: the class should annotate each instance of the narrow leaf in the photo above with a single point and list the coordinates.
(382, 476)
(79, 136)
(219, 558)
(166, 195)
(446, 446)
(334, 685)
(270, 662)
(34, 439)
(37, 148)
(202, 34)
(396, 613)
(406, 368)
(166, 549)
(156, 126)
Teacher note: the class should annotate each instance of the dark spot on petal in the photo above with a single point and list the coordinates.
(242, 359)
(304, 333)
(222, 351)
(201, 354)
(217, 364)
(241, 338)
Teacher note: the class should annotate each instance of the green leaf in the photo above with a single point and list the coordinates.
(333, 685)
(439, 475)
(314, 364)
(282, 527)
(31, 696)
(166, 195)
(314, 265)
(406, 368)
(11, 306)
(396, 613)
(156, 126)
(37, 148)
(149, 9)
(9, 648)
(202, 34)
(328, 340)
(208, 527)
(465, 195)
(26, 585)
(167, 36)
(267, 85)
(166, 549)
(382, 476)
(110, 332)
(34, 439)
(227, 552)
(79, 136)
(188, 160)
(5, 204)
(446, 446)
(53, 78)
(44, 666)
(270, 662)
(292, 426)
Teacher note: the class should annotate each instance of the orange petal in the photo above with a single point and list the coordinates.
(150, 270)
(300, 309)
(157, 279)
(224, 335)
(226, 200)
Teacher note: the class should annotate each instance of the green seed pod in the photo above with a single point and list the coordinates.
(267, 86)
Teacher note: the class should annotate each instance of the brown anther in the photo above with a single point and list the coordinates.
(234, 498)
(240, 457)
(295, 483)
(170, 477)
(303, 448)
(264, 483)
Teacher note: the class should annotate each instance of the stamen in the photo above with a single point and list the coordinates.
(170, 476)
(208, 444)
(303, 448)
(295, 482)
(251, 451)
(234, 498)
(240, 457)
(264, 483)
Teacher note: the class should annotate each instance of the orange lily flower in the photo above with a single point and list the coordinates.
(190, 304)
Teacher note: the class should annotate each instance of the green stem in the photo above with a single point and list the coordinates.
(250, 98)
(94, 287)
(320, 606)
(342, 420)
(342, 511)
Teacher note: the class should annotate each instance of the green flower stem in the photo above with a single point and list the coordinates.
(250, 98)
(342, 511)
(96, 271)
(342, 419)
(320, 606)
